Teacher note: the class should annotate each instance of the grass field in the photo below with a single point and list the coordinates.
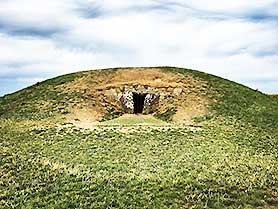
(64, 167)
(228, 159)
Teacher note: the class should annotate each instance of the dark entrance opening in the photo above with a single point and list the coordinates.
(138, 101)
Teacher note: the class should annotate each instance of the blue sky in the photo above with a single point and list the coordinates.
(237, 40)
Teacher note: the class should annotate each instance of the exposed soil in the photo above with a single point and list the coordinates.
(93, 103)
(83, 118)
(192, 106)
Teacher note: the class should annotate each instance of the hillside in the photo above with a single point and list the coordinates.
(196, 141)
(202, 94)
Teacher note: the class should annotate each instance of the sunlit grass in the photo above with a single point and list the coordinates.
(63, 167)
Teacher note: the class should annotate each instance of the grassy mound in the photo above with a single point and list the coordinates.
(229, 161)
(60, 95)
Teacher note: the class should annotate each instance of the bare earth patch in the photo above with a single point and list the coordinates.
(95, 91)
(83, 118)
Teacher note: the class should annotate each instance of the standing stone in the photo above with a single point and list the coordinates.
(128, 101)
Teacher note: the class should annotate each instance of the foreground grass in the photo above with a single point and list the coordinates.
(134, 120)
(222, 165)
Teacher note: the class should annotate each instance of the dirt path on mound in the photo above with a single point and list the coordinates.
(125, 124)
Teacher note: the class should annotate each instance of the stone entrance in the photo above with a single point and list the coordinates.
(141, 99)
(138, 102)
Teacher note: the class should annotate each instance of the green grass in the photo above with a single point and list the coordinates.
(236, 101)
(45, 99)
(218, 166)
(166, 115)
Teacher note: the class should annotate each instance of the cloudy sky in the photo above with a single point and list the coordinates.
(235, 39)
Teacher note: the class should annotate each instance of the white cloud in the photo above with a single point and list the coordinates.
(41, 39)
